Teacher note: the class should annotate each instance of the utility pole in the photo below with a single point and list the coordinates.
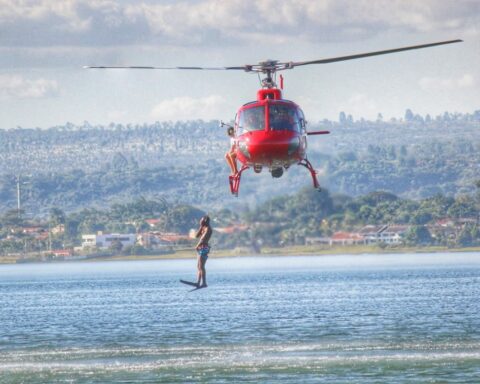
(18, 196)
(19, 193)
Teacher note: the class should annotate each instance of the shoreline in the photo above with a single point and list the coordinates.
(266, 252)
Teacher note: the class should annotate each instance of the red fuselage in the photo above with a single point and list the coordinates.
(270, 132)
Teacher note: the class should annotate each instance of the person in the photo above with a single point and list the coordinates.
(282, 120)
(203, 248)
(231, 156)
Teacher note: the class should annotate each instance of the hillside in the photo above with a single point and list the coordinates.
(73, 167)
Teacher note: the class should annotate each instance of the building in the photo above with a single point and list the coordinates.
(152, 240)
(158, 240)
(371, 233)
(59, 229)
(346, 238)
(153, 222)
(232, 229)
(393, 234)
(62, 252)
(387, 234)
(104, 241)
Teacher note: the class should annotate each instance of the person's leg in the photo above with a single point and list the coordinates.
(231, 160)
(233, 157)
(204, 271)
(199, 270)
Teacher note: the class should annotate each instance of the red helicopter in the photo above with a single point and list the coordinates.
(270, 132)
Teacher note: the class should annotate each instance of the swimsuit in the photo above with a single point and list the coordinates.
(203, 251)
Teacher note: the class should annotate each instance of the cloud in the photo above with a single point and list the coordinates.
(447, 84)
(208, 22)
(15, 86)
(360, 105)
(188, 108)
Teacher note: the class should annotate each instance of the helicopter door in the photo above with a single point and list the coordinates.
(302, 122)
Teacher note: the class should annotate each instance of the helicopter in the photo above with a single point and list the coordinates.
(271, 132)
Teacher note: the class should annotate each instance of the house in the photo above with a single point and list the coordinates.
(393, 234)
(371, 233)
(450, 228)
(152, 240)
(160, 239)
(31, 230)
(62, 252)
(231, 229)
(346, 238)
(58, 229)
(387, 234)
(152, 222)
(105, 241)
(172, 237)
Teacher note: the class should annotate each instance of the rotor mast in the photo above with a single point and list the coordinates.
(269, 68)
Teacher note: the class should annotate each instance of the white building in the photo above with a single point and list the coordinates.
(388, 234)
(105, 241)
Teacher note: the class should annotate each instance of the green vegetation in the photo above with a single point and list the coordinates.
(75, 167)
(286, 221)
(289, 220)
(75, 180)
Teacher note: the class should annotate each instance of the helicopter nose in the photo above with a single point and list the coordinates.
(268, 147)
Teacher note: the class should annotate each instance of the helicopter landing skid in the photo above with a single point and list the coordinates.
(313, 172)
(235, 180)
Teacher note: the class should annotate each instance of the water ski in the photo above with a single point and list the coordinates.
(193, 285)
(189, 283)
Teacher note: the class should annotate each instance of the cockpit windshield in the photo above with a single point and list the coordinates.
(283, 117)
(252, 119)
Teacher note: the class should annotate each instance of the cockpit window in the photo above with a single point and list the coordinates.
(252, 119)
(283, 117)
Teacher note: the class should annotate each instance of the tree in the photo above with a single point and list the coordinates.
(409, 116)
(418, 235)
(181, 219)
(57, 217)
(464, 206)
(13, 218)
(464, 238)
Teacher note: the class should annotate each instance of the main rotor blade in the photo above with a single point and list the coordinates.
(368, 54)
(272, 66)
(188, 68)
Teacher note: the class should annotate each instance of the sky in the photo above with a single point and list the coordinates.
(45, 44)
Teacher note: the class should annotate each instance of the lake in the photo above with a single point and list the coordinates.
(315, 319)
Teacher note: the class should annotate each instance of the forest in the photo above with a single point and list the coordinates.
(73, 167)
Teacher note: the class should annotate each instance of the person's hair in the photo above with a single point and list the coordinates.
(205, 220)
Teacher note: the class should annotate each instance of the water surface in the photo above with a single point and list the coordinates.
(364, 318)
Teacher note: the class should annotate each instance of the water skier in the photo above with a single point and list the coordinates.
(203, 248)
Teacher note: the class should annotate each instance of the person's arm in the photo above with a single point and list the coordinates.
(205, 237)
(201, 235)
